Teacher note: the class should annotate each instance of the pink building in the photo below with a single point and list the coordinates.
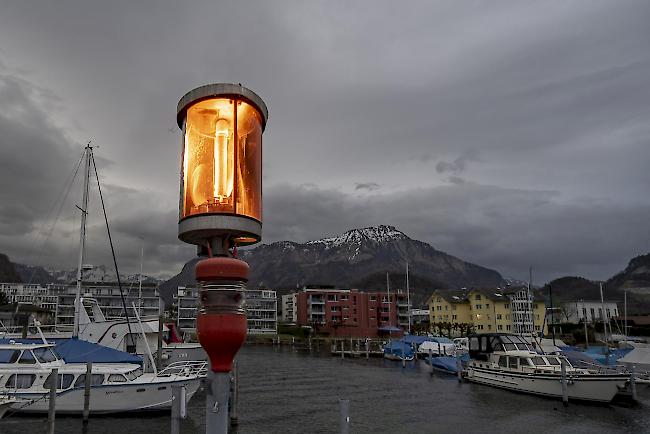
(352, 313)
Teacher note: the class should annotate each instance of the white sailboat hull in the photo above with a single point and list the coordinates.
(109, 398)
(600, 388)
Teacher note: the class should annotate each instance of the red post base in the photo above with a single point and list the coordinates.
(221, 336)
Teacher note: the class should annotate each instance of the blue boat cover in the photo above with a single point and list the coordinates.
(399, 348)
(445, 363)
(80, 351)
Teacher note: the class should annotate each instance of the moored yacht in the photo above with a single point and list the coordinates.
(509, 362)
(26, 374)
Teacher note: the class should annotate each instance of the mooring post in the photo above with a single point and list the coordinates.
(178, 407)
(52, 409)
(342, 349)
(367, 349)
(565, 395)
(234, 396)
(430, 362)
(633, 383)
(87, 382)
(309, 339)
(345, 415)
(459, 369)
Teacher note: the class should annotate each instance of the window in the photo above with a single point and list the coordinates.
(63, 381)
(373, 298)
(507, 306)
(20, 381)
(524, 361)
(535, 307)
(489, 326)
(499, 327)
(480, 327)
(117, 378)
(512, 361)
(27, 357)
(45, 355)
(479, 306)
(344, 298)
(134, 374)
(538, 361)
(498, 316)
(478, 297)
(487, 305)
(507, 327)
(454, 317)
(9, 356)
(553, 361)
(437, 299)
(331, 297)
(335, 308)
(95, 380)
(446, 307)
(453, 307)
(439, 307)
(503, 361)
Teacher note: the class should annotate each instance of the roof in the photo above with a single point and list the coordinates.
(451, 296)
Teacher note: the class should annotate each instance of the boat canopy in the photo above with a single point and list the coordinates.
(399, 348)
(80, 351)
(417, 340)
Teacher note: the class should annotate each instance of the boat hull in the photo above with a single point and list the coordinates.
(105, 399)
(598, 388)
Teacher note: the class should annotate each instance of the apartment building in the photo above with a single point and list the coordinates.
(350, 312)
(509, 310)
(289, 313)
(261, 310)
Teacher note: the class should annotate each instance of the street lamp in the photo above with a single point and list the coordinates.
(220, 209)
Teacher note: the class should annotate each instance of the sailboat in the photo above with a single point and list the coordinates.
(24, 366)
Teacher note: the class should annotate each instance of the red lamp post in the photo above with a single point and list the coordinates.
(220, 209)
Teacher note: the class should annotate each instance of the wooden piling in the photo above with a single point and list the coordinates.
(430, 361)
(87, 383)
(565, 395)
(345, 415)
(633, 383)
(51, 414)
(234, 396)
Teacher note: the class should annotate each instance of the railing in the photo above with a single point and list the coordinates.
(196, 368)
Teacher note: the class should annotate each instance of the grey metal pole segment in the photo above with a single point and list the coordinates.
(161, 311)
(82, 242)
(345, 415)
(87, 382)
(563, 381)
(51, 413)
(176, 409)
(234, 395)
(217, 391)
(633, 383)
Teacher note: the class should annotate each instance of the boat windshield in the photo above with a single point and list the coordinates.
(538, 361)
(9, 356)
(134, 374)
(45, 355)
(553, 361)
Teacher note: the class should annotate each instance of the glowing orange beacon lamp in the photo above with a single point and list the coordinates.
(220, 209)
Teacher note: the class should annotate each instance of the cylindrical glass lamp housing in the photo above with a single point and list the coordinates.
(221, 168)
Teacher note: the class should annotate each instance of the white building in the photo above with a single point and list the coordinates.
(37, 295)
(261, 310)
(576, 311)
(289, 311)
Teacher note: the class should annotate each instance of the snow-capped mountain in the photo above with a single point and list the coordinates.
(96, 274)
(349, 258)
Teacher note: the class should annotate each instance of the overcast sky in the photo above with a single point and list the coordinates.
(505, 133)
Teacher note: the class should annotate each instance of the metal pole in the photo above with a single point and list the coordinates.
(176, 409)
(161, 311)
(345, 415)
(82, 242)
(625, 322)
(602, 315)
(565, 395)
(51, 414)
(550, 294)
(403, 357)
(234, 396)
(216, 412)
(633, 383)
(87, 382)
(584, 311)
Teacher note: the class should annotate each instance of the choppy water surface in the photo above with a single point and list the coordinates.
(283, 391)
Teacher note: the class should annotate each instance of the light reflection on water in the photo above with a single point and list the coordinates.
(283, 391)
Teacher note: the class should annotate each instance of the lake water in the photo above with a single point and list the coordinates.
(284, 391)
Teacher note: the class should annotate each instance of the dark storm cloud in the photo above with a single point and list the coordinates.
(370, 186)
(504, 228)
(551, 96)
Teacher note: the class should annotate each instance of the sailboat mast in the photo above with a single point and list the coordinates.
(82, 241)
(140, 284)
(625, 308)
(529, 302)
(388, 292)
(408, 296)
(602, 312)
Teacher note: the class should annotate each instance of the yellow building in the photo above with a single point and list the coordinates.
(505, 310)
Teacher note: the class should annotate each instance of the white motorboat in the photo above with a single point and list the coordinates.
(509, 362)
(26, 374)
(437, 346)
